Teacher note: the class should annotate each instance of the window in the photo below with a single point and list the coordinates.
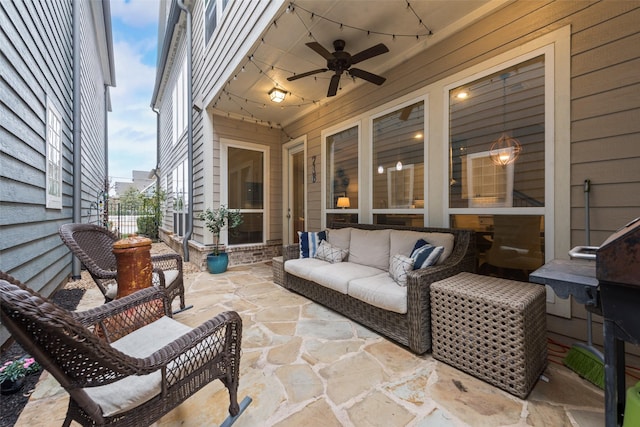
(180, 198)
(180, 109)
(54, 158)
(246, 177)
(398, 173)
(342, 172)
(497, 150)
(510, 102)
(213, 10)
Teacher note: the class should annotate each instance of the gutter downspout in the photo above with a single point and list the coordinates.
(105, 190)
(189, 230)
(157, 169)
(77, 148)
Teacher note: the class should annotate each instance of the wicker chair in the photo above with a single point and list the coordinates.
(93, 245)
(126, 362)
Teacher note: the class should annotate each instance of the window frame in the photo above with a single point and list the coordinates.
(418, 211)
(225, 144)
(325, 134)
(221, 6)
(53, 201)
(179, 104)
(549, 75)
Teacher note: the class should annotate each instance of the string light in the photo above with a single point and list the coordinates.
(292, 8)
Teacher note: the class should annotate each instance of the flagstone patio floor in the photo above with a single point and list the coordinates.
(304, 365)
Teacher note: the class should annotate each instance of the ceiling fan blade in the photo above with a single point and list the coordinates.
(308, 73)
(319, 49)
(370, 77)
(376, 50)
(333, 86)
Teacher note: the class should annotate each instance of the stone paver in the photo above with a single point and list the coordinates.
(305, 365)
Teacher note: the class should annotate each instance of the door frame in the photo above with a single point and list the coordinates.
(288, 150)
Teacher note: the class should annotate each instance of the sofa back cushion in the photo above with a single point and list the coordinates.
(370, 247)
(403, 241)
(339, 237)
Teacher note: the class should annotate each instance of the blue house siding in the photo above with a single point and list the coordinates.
(37, 69)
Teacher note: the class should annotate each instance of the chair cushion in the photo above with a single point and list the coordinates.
(169, 277)
(133, 391)
(370, 247)
(112, 291)
(327, 252)
(337, 276)
(302, 267)
(380, 291)
(309, 242)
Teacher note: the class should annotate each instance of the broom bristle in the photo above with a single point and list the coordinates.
(586, 364)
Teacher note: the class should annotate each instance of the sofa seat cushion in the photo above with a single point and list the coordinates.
(403, 241)
(380, 291)
(302, 267)
(337, 276)
(370, 247)
(134, 390)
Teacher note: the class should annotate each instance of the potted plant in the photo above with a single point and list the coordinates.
(12, 373)
(215, 220)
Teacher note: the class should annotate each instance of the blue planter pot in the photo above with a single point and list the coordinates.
(217, 264)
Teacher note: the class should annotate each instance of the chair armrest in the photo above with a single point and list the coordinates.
(290, 252)
(167, 262)
(219, 337)
(122, 316)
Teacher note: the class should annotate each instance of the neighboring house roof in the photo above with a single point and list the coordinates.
(165, 44)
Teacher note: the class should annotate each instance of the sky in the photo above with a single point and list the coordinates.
(132, 123)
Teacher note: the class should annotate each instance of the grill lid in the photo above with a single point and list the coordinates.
(618, 258)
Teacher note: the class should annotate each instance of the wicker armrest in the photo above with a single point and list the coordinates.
(167, 262)
(290, 252)
(122, 316)
(219, 334)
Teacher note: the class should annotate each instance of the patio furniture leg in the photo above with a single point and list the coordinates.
(183, 309)
(228, 422)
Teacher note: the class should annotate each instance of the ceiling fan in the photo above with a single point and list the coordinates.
(341, 61)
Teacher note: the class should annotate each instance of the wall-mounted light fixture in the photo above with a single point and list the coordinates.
(277, 95)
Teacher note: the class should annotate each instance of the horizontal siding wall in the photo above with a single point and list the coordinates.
(36, 40)
(605, 107)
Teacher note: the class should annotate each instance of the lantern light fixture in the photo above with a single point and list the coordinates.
(277, 95)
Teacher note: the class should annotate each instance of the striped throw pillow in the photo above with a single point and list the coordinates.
(425, 255)
(309, 242)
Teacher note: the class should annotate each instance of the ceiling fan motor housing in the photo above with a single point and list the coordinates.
(341, 60)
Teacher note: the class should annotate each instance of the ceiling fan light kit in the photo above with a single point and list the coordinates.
(340, 61)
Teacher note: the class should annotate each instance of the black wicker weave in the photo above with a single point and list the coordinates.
(75, 348)
(412, 329)
(93, 245)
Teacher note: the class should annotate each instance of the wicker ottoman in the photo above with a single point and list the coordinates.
(278, 270)
(491, 328)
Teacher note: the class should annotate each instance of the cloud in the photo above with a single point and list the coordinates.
(136, 13)
(132, 123)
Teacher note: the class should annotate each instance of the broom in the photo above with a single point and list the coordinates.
(585, 359)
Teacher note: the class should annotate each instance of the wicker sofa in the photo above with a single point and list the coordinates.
(408, 323)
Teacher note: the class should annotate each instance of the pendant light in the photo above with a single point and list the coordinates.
(505, 149)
